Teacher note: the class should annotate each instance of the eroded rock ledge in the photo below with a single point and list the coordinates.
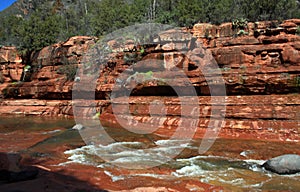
(260, 68)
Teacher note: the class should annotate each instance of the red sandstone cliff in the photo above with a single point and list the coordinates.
(264, 60)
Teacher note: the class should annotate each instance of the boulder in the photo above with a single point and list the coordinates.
(285, 164)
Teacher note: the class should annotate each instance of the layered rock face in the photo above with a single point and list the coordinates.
(256, 66)
(11, 67)
(50, 74)
(264, 61)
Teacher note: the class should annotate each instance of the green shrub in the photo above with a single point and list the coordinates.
(242, 32)
(96, 116)
(239, 26)
(68, 70)
(142, 50)
(27, 68)
(240, 23)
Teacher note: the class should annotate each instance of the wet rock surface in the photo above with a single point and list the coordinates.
(285, 164)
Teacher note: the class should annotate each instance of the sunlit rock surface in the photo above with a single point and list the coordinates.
(260, 70)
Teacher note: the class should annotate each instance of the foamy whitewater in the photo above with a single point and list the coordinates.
(208, 169)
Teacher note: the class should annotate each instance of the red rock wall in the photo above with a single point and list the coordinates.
(275, 117)
(11, 66)
(46, 78)
(261, 71)
(264, 62)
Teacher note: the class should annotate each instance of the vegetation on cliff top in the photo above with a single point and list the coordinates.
(46, 22)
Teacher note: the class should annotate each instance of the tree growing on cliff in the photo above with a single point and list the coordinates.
(39, 31)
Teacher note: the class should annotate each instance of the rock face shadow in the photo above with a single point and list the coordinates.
(15, 177)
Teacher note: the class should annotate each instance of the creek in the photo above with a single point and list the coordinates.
(137, 160)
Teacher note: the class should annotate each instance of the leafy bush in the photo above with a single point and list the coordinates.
(27, 68)
(240, 23)
(97, 115)
(68, 70)
(242, 32)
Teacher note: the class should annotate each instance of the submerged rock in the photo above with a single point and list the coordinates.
(285, 164)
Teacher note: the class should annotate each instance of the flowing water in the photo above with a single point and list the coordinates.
(233, 165)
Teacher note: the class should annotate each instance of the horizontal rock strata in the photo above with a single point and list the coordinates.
(257, 68)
